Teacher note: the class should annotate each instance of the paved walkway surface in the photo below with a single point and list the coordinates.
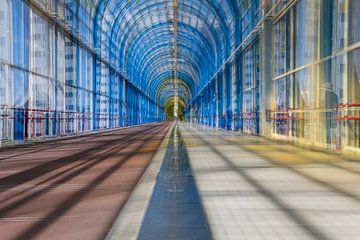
(133, 212)
(74, 188)
(175, 211)
(252, 188)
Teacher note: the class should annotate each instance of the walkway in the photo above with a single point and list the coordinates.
(74, 188)
(201, 184)
(255, 189)
(175, 211)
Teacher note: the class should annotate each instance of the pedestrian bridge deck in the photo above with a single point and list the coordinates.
(113, 185)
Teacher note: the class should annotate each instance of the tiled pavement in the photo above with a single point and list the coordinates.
(255, 189)
(73, 188)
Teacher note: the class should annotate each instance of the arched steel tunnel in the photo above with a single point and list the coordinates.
(179, 119)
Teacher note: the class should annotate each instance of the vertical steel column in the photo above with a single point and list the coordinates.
(266, 48)
(175, 23)
(234, 96)
(216, 103)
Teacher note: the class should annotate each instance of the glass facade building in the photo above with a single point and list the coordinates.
(54, 80)
(283, 69)
(296, 75)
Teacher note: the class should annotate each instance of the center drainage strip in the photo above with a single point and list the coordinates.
(175, 210)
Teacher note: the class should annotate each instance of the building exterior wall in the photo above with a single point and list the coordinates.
(298, 75)
(286, 70)
(52, 83)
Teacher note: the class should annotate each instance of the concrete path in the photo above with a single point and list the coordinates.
(255, 189)
(74, 188)
(128, 223)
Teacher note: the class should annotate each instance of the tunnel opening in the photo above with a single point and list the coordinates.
(169, 108)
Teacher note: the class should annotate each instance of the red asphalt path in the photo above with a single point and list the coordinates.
(74, 188)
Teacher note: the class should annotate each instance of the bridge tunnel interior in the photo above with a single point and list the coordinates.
(179, 119)
(280, 69)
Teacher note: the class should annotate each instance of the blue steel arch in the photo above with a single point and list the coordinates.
(156, 55)
(184, 40)
(166, 75)
(123, 24)
(185, 28)
(169, 72)
(151, 53)
(158, 5)
(167, 92)
(199, 51)
(168, 82)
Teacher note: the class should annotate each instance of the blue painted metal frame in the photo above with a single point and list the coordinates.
(134, 30)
